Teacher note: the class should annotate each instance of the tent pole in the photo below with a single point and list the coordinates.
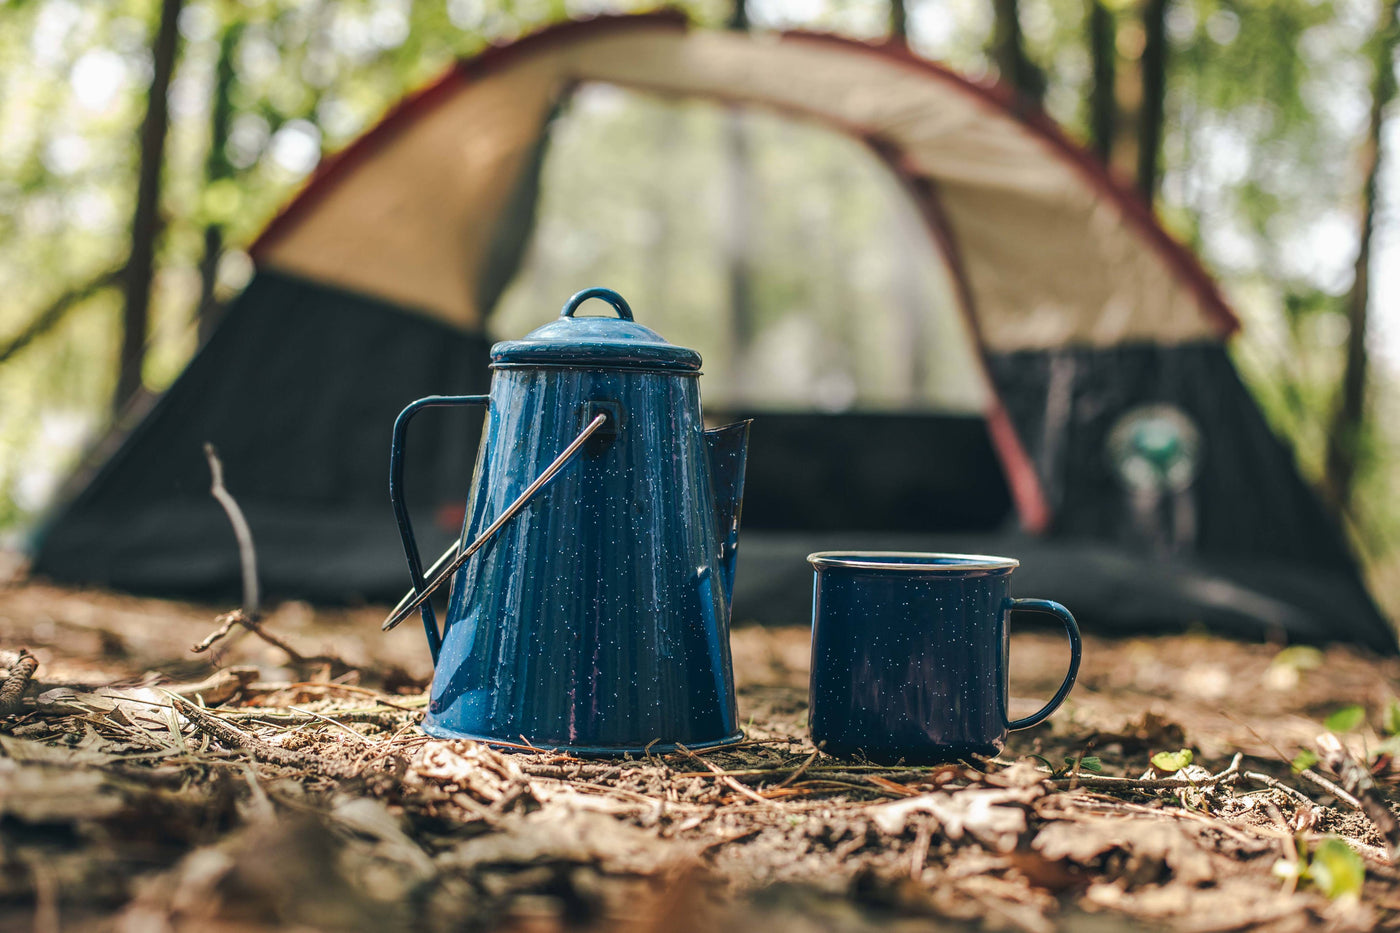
(1027, 489)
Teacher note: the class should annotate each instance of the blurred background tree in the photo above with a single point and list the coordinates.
(143, 143)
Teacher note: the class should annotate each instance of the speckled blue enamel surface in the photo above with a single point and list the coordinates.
(598, 619)
(596, 341)
(909, 665)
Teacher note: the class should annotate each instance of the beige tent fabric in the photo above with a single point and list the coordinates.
(410, 220)
(1049, 256)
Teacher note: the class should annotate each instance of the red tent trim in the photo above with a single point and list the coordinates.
(421, 102)
(1005, 100)
(997, 97)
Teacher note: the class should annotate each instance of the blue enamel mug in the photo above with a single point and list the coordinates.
(910, 654)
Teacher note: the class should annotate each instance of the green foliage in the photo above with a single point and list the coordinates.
(1298, 657)
(1090, 763)
(1333, 867)
(1304, 760)
(296, 79)
(1172, 762)
(1337, 869)
(1390, 720)
(1346, 719)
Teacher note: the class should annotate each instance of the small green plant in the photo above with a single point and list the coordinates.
(1390, 720)
(1299, 658)
(1305, 760)
(1334, 868)
(1346, 719)
(1172, 762)
(1087, 763)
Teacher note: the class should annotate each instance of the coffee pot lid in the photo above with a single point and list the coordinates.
(601, 342)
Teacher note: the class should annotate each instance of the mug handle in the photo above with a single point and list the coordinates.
(1072, 630)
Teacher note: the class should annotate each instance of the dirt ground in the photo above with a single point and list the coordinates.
(300, 796)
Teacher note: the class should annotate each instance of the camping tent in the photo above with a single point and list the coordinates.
(1116, 451)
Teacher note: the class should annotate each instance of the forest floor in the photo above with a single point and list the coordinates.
(300, 795)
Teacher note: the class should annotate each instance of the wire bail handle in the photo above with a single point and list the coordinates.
(620, 305)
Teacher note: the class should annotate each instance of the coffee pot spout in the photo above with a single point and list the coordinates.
(728, 450)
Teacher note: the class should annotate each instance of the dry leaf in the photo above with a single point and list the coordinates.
(1150, 850)
(994, 816)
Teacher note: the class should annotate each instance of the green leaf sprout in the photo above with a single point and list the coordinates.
(1172, 762)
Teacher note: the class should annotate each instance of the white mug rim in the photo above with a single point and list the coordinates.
(911, 561)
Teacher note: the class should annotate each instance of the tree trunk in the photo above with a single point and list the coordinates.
(899, 22)
(739, 16)
(217, 168)
(1154, 96)
(1008, 51)
(1103, 54)
(738, 242)
(145, 222)
(738, 221)
(1343, 440)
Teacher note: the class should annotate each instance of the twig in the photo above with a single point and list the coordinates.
(1287, 843)
(230, 736)
(855, 773)
(45, 881)
(262, 806)
(392, 744)
(239, 617)
(247, 554)
(800, 770)
(1112, 805)
(1357, 778)
(339, 725)
(16, 682)
(728, 781)
(1106, 781)
(1311, 775)
(923, 838)
(864, 786)
(272, 716)
(893, 787)
(229, 620)
(1277, 785)
(1278, 752)
(568, 772)
(363, 691)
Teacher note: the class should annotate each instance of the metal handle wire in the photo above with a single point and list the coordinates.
(415, 598)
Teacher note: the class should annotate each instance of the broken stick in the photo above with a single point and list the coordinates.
(230, 736)
(1360, 786)
(247, 554)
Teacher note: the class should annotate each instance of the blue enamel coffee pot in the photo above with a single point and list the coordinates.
(590, 590)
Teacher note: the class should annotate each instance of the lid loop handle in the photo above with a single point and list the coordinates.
(624, 310)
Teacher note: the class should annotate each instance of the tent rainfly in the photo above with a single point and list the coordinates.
(1119, 454)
